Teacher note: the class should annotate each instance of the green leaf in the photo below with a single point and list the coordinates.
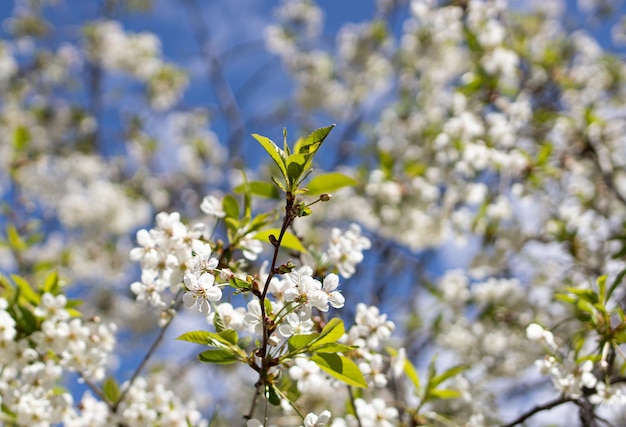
(51, 284)
(300, 343)
(408, 368)
(341, 368)
(272, 395)
(412, 374)
(73, 312)
(7, 291)
(275, 153)
(329, 182)
(444, 393)
(289, 241)
(230, 206)
(111, 390)
(247, 200)
(615, 284)
(544, 154)
(331, 333)
(289, 388)
(25, 319)
(259, 188)
(566, 298)
(261, 220)
(21, 138)
(26, 290)
(280, 185)
(309, 146)
(232, 225)
(15, 240)
(313, 142)
(285, 145)
(219, 356)
(197, 337)
(244, 342)
(601, 282)
(218, 322)
(295, 168)
(435, 381)
(333, 347)
(587, 295)
(230, 335)
(238, 283)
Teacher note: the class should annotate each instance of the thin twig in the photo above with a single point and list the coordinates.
(257, 393)
(148, 354)
(96, 390)
(264, 368)
(356, 414)
(603, 162)
(546, 406)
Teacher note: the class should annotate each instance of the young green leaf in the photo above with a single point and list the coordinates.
(15, 240)
(308, 147)
(615, 284)
(230, 335)
(25, 319)
(301, 343)
(295, 168)
(408, 368)
(26, 290)
(218, 322)
(232, 226)
(329, 182)
(197, 337)
(231, 206)
(289, 240)
(438, 379)
(285, 145)
(331, 333)
(444, 393)
(272, 395)
(341, 368)
(411, 373)
(238, 283)
(21, 138)
(259, 188)
(313, 142)
(601, 282)
(51, 284)
(275, 153)
(332, 347)
(111, 390)
(219, 356)
(279, 184)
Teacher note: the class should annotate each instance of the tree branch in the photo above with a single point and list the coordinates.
(546, 406)
(148, 354)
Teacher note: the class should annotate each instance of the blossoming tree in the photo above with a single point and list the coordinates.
(450, 252)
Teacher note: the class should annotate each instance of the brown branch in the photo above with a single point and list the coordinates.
(262, 353)
(148, 354)
(603, 162)
(546, 406)
(96, 390)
